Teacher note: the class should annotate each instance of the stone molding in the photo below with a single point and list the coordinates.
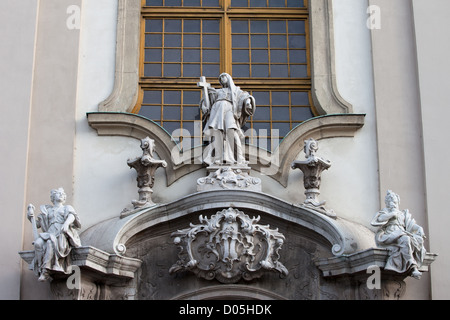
(126, 84)
(342, 237)
(325, 94)
(229, 291)
(111, 266)
(276, 164)
(361, 261)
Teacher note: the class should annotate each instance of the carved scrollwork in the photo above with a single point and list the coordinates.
(229, 246)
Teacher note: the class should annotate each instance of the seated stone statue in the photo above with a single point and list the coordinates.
(59, 224)
(401, 235)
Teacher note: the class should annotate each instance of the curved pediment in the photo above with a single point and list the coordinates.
(339, 235)
(276, 164)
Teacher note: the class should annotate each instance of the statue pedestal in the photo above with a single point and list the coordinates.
(232, 177)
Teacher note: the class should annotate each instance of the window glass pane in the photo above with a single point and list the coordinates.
(280, 114)
(296, 26)
(210, 3)
(258, 126)
(191, 113)
(239, 3)
(278, 56)
(153, 26)
(240, 56)
(152, 70)
(172, 70)
(260, 71)
(279, 71)
(283, 128)
(172, 40)
(211, 55)
(191, 3)
(191, 55)
(260, 56)
(241, 70)
(211, 26)
(211, 41)
(152, 97)
(173, 3)
(299, 71)
(263, 113)
(150, 3)
(191, 70)
(239, 26)
(300, 98)
(258, 3)
(277, 41)
(192, 26)
(297, 56)
(301, 113)
(262, 98)
(172, 25)
(191, 97)
(280, 98)
(153, 40)
(171, 126)
(295, 4)
(172, 97)
(211, 70)
(172, 55)
(192, 40)
(297, 42)
(153, 55)
(258, 26)
(240, 41)
(277, 3)
(151, 112)
(172, 113)
(259, 41)
(277, 26)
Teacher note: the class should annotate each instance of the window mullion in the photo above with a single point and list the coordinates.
(226, 43)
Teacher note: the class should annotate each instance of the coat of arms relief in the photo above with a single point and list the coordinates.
(229, 246)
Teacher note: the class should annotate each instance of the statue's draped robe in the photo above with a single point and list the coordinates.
(227, 112)
(56, 255)
(400, 235)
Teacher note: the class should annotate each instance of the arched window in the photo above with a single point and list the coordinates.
(171, 94)
(263, 44)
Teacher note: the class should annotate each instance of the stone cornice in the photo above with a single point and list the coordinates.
(95, 260)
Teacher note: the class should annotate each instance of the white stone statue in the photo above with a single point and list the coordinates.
(226, 111)
(59, 224)
(401, 235)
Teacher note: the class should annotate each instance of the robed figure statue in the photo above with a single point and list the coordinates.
(225, 111)
(59, 224)
(399, 233)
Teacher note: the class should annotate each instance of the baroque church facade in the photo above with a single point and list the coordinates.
(224, 149)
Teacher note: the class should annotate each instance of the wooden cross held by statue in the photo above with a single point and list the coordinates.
(205, 85)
